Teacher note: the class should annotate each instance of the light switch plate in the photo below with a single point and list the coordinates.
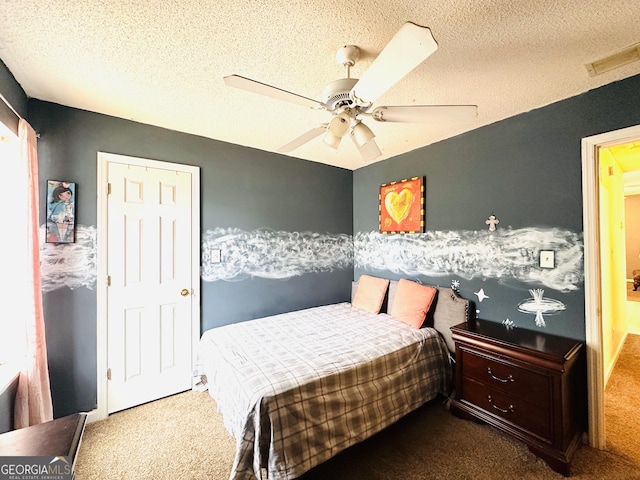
(547, 259)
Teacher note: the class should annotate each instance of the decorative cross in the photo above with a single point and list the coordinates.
(492, 221)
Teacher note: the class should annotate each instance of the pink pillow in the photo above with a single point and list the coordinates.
(370, 293)
(412, 302)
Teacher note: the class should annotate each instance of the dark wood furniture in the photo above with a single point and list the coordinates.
(526, 383)
(59, 437)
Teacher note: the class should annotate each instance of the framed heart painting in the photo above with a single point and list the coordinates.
(402, 206)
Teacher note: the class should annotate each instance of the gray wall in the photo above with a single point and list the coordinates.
(315, 212)
(527, 171)
(12, 91)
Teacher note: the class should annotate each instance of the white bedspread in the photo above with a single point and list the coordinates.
(295, 389)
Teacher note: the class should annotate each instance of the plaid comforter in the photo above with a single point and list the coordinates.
(295, 389)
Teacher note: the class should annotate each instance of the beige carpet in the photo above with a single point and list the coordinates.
(182, 437)
(621, 399)
(178, 437)
(633, 295)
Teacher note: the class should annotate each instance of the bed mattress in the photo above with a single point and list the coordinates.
(296, 389)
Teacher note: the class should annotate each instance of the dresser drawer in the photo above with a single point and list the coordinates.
(526, 383)
(510, 379)
(518, 412)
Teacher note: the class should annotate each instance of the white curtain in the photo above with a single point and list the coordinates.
(33, 400)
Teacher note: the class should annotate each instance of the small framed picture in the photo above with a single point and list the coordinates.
(61, 211)
(547, 259)
(401, 206)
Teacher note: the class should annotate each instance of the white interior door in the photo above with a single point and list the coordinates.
(149, 286)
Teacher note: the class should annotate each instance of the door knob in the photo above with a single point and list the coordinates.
(184, 292)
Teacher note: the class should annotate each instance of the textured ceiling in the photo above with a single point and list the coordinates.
(161, 62)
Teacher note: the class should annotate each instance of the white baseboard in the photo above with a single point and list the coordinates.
(612, 365)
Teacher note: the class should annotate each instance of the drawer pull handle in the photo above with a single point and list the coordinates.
(503, 380)
(503, 410)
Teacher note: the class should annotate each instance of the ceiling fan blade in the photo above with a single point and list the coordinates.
(263, 89)
(304, 138)
(408, 48)
(369, 151)
(426, 113)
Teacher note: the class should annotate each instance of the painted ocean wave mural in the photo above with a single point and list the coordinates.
(259, 253)
(70, 265)
(503, 254)
(272, 254)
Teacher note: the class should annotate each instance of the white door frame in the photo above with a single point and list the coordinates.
(592, 290)
(101, 412)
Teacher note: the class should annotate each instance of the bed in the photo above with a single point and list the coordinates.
(296, 389)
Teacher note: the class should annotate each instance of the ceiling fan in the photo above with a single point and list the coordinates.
(351, 99)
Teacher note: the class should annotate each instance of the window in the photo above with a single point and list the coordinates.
(14, 281)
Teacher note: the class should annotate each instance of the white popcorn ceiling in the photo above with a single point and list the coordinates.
(161, 62)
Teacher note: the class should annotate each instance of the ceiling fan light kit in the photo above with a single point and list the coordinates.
(332, 140)
(369, 151)
(350, 99)
(362, 134)
(340, 124)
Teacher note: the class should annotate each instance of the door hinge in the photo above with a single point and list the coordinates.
(108, 280)
(108, 374)
(108, 188)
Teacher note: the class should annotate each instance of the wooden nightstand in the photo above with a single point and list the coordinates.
(59, 437)
(528, 384)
